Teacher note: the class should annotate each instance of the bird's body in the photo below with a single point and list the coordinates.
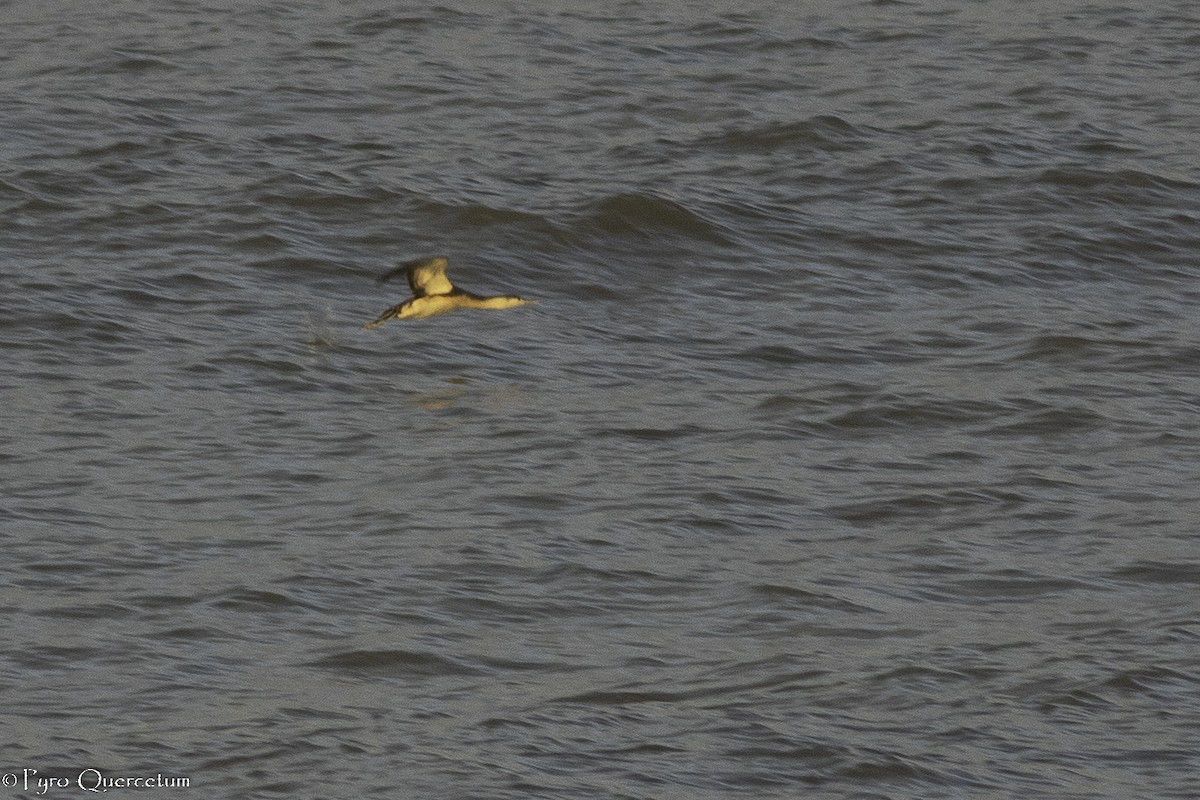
(434, 294)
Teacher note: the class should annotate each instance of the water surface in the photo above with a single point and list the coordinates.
(850, 451)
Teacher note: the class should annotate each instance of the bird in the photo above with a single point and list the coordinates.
(434, 294)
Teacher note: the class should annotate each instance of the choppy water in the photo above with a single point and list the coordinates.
(850, 453)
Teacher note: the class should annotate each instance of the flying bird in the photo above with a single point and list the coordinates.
(434, 294)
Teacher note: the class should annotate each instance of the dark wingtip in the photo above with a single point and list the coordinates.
(387, 276)
(405, 267)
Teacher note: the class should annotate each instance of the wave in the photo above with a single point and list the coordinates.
(295, 192)
(479, 215)
(381, 22)
(394, 662)
(610, 219)
(647, 215)
(1114, 180)
(822, 132)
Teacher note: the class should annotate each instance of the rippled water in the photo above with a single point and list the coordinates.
(851, 451)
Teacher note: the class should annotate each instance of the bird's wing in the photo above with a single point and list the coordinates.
(425, 276)
(429, 277)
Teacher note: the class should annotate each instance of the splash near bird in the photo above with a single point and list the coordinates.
(434, 294)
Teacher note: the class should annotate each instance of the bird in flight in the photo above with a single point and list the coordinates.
(434, 294)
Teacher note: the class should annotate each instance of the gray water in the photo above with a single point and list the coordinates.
(850, 452)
